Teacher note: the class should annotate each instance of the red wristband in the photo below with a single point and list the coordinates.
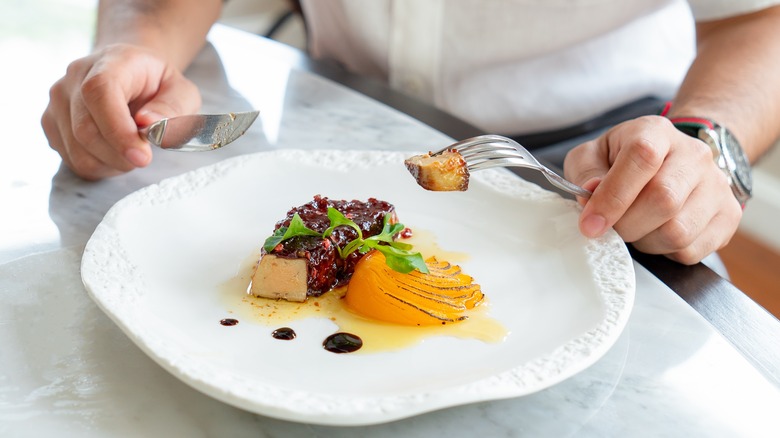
(693, 121)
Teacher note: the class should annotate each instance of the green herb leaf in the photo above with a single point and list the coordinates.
(351, 247)
(338, 219)
(401, 245)
(388, 231)
(398, 255)
(296, 228)
(275, 239)
(401, 260)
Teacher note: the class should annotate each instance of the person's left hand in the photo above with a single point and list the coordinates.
(659, 188)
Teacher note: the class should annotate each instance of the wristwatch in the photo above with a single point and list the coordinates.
(727, 152)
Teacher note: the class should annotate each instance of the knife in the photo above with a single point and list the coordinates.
(198, 132)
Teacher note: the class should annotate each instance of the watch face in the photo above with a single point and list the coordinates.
(736, 161)
(730, 158)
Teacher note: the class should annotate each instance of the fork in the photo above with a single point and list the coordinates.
(487, 151)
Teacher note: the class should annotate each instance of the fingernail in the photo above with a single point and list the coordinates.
(137, 157)
(593, 225)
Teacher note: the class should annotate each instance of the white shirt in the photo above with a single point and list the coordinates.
(517, 66)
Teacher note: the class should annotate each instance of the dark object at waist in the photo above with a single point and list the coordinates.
(553, 145)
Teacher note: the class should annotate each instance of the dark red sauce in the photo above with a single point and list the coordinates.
(284, 334)
(228, 322)
(342, 343)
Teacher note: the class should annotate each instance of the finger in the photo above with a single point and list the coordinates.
(87, 166)
(176, 96)
(52, 133)
(590, 185)
(712, 198)
(84, 163)
(681, 230)
(714, 236)
(56, 126)
(107, 92)
(56, 110)
(91, 141)
(586, 162)
(586, 166)
(687, 166)
(81, 162)
(636, 161)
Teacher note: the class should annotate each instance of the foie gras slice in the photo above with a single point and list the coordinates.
(445, 171)
(280, 278)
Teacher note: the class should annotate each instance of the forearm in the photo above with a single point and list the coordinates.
(175, 29)
(734, 79)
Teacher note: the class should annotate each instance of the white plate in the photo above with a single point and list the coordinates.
(157, 260)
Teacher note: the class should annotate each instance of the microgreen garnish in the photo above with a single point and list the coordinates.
(296, 228)
(398, 255)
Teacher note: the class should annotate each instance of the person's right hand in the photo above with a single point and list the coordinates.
(95, 110)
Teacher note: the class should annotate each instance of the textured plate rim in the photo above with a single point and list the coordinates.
(116, 297)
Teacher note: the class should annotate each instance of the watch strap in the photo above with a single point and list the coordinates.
(692, 125)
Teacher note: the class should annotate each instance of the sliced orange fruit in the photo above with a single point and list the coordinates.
(440, 297)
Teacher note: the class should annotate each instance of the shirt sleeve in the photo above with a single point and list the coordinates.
(704, 10)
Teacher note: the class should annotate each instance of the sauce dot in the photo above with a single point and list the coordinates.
(342, 343)
(284, 333)
(228, 322)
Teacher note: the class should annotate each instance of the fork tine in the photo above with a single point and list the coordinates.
(496, 162)
(487, 151)
(481, 147)
(476, 141)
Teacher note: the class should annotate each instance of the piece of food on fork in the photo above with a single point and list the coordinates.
(449, 168)
(440, 171)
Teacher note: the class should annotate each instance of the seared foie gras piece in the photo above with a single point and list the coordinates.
(443, 172)
(312, 264)
(280, 278)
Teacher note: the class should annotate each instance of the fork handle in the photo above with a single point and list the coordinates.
(563, 184)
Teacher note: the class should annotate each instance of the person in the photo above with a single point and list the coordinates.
(509, 67)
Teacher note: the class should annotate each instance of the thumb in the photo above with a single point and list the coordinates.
(177, 96)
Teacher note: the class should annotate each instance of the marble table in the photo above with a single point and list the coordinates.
(67, 370)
